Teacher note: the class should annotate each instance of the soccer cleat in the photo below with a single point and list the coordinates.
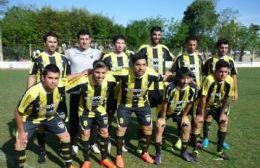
(222, 155)
(205, 143)
(107, 163)
(95, 148)
(139, 150)
(147, 158)
(86, 164)
(157, 159)
(195, 155)
(187, 156)
(119, 161)
(42, 157)
(74, 150)
(124, 149)
(178, 144)
(166, 146)
(226, 146)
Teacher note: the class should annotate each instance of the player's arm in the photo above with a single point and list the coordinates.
(235, 96)
(21, 137)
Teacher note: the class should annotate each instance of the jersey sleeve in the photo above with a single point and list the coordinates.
(33, 69)
(107, 59)
(167, 55)
(205, 86)
(26, 101)
(233, 69)
(175, 65)
(167, 92)
(74, 84)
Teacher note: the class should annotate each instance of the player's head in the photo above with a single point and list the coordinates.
(119, 42)
(139, 63)
(183, 76)
(223, 47)
(50, 77)
(192, 44)
(221, 70)
(84, 39)
(50, 42)
(156, 34)
(99, 71)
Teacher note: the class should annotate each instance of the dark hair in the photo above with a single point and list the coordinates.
(221, 64)
(99, 64)
(183, 72)
(117, 37)
(222, 41)
(137, 56)
(191, 38)
(50, 68)
(155, 28)
(50, 33)
(83, 32)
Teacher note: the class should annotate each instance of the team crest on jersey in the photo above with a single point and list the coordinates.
(61, 125)
(85, 123)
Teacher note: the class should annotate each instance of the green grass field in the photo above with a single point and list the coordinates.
(243, 134)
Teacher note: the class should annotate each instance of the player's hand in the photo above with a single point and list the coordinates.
(235, 97)
(199, 118)
(223, 118)
(160, 122)
(22, 139)
(84, 73)
(185, 120)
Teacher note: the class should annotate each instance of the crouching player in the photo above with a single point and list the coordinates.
(214, 104)
(92, 108)
(38, 107)
(178, 100)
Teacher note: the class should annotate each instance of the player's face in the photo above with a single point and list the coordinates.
(120, 45)
(51, 80)
(184, 81)
(84, 42)
(156, 37)
(139, 67)
(223, 49)
(51, 44)
(221, 74)
(192, 46)
(99, 75)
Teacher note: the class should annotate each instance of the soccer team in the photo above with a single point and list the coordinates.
(119, 83)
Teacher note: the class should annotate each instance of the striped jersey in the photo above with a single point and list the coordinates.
(177, 98)
(116, 62)
(133, 90)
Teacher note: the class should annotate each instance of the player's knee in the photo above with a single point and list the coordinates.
(65, 137)
(19, 146)
(121, 131)
(104, 132)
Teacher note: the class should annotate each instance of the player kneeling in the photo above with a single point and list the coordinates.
(178, 98)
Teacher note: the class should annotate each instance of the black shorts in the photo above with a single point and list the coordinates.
(143, 115)
(175, 118)
(215, 113)
(55, 126)
(86, 122)
(155, 97)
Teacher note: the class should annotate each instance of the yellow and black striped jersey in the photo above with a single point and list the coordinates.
(209, 66)
(193, 62)
(157, 57)
(216, 91)
(133, 90)
(43, 59)
(116, 62)
(38, 105)
(93, 97)
(177, 98)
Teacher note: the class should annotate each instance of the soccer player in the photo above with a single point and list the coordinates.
(216, 91)
(81, 58)
(116, 60)
(134, 83)
(193, 61)
(48, 56)
(92, 108)
(209, 68)
(38, 107)
(178, 99)
(159, 58)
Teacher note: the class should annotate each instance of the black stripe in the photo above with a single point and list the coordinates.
(192, 60)
(181, 94)
(97, 93)
(227, 89)
(138, 85)
(217, 91)
(155, 53)
(49, 102)
(166, 55)
(84, 97)
(210, 91)
(120, 61)
(64, 65)
(108, 61)
(191, 93)
(35, 108)
(124, 87)
(52, 60)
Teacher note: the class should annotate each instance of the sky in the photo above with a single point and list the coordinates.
(125, 11)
